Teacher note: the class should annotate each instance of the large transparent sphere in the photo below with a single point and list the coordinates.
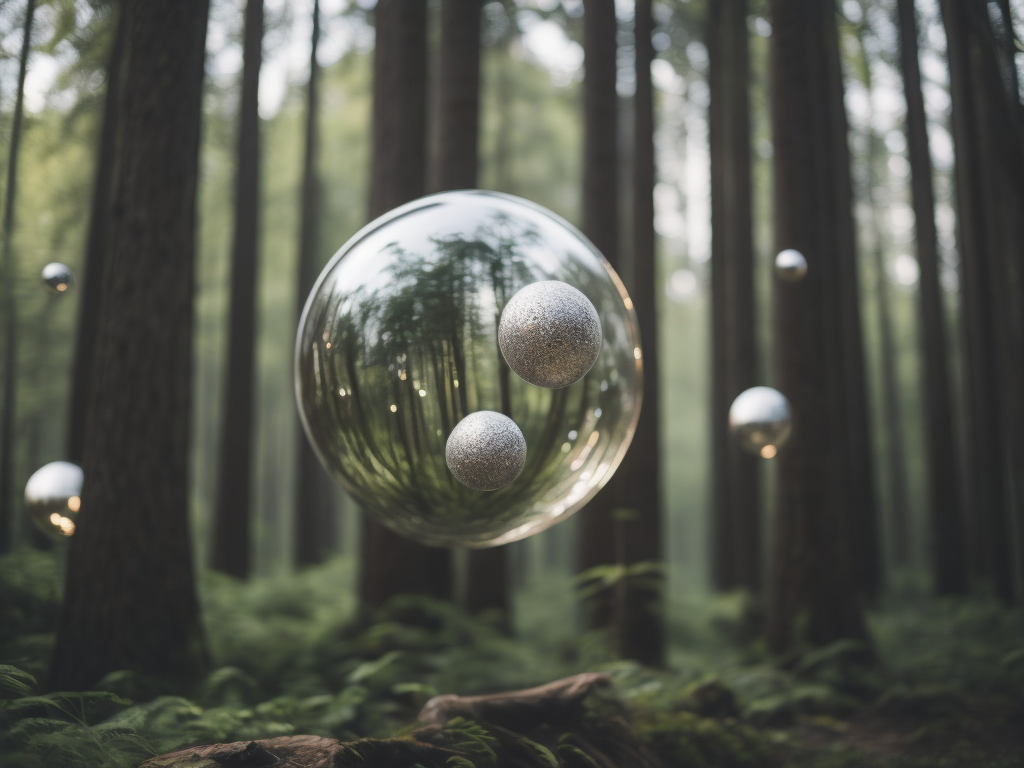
(53, 496)
(399, 342)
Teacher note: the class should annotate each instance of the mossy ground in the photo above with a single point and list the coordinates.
(942, 684)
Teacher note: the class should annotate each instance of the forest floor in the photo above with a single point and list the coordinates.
(942, 683)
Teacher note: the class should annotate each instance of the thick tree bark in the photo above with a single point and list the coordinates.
(854, 489)
(980, 202)
(130, 599)
(810, 575)
(10, 272)
(229, 551)
(642, 632)
(736, 509)
(391, 564)
(314, 525)
(949, 554)
(455, 167)
(91, 282)
(598, 525)
(458, 98)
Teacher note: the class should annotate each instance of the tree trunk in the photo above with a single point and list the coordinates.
(810, 575)
(894, 451)
(641, 634)
(391, 564)
(736, 515)
(899, 502)
(91, 282)
(854, 489)
(458, 101)
(130, 600)
(455, 167)
(10, 274)
(949, 555)
(229, 551)
(314, 525)
(600, 223)
(979, 202)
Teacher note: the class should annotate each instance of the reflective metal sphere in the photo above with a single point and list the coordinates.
(486, 451)
(53, 496)
(790, 265)
(550, 334)
(398, 343)
(58, 278)
(760, 419)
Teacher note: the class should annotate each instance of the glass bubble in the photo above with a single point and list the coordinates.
(790, 265)
(58, 278)
(398, 343)
(53, 496)
(760, 419)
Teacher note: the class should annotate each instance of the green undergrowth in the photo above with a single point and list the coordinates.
(942, 684)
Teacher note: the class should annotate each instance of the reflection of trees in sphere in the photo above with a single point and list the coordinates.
(58, 278)
(761, 420)
(790, 265)
(550, 334)
(486, 451)
(53, 496)
(399, 342)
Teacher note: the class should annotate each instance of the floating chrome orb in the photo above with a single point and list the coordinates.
(398, 343)
(550, 334)
(58, 278)
(760, 419)
(53, 496)
(790, 265)
(486, 451)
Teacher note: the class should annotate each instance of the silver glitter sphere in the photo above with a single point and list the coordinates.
(53, 496)
(486, 451)
(58, 278)
(550, 334)
(790, 265)
(398, 344)
(761, 420)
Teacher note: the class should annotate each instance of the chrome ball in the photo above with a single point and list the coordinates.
(53, 496)
(550, 334)
(790, 265)
(486, 451)
(58, 278)
(760, 419)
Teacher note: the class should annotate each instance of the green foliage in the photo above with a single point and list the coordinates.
(292, 657)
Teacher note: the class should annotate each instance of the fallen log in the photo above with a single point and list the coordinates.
(564, 724)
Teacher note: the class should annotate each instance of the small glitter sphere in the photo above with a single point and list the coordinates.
(486, 451)
(398, 348)
(790, 265)
(58, 278)
(760, 419)
(53, 496)
(550, 334)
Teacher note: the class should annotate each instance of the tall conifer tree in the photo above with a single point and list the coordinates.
(130, 600)
(736, 514)
(9, 268)
(810, 573)
(230, 551)
(391, 564)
